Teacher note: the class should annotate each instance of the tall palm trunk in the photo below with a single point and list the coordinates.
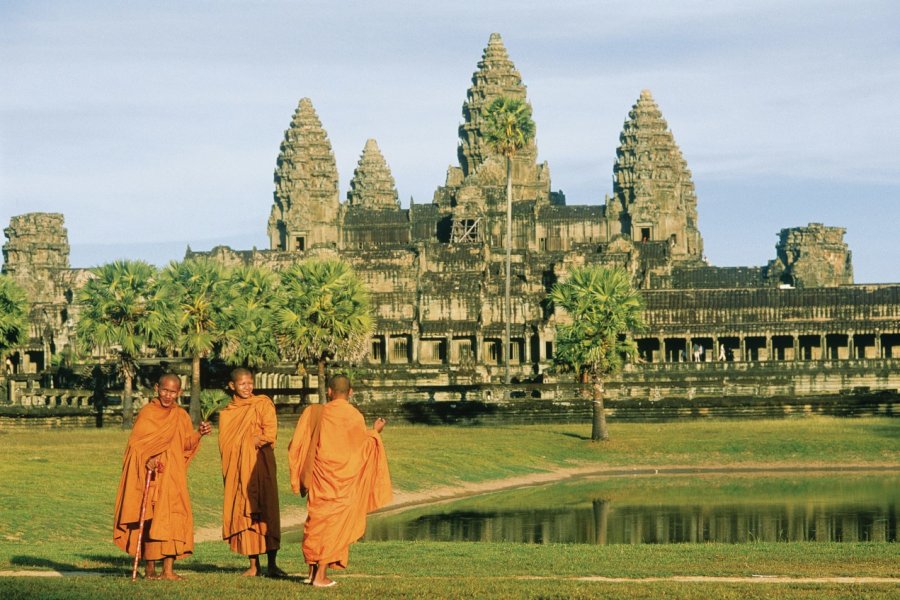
(507, 305)
(322, 384)
(599, 431)
(127, 408)
(195, 389)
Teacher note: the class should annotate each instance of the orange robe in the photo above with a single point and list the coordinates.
(251, 523)
(349, 479)
(169, 523)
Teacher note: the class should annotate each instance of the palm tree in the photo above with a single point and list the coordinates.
(126, 312)
(13, 318)
(508, 128)
(604, 308)
(248, 337)
(323, 315)
(196, 285)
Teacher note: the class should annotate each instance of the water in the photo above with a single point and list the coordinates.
(665, 510)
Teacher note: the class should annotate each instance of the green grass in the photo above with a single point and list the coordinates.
(458, 570)
(57, 489)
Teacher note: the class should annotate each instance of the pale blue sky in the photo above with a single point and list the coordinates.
(154, 125)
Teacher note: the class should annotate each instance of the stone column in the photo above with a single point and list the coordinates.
(851, 346)
(770, 347)
(414, 351)
(823, 347)
(662, 349)
(796, 344)
(743, 344)
(452, 354)
(878, 349)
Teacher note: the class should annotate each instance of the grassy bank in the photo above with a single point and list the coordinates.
(58, 487)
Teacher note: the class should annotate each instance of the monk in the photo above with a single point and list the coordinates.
(248, 428)
(163, 442)
(343, 468)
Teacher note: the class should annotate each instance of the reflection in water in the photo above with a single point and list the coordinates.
(609, 522)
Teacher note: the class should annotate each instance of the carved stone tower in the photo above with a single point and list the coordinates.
(373, 185)
(474, 191)
(811, 256)
(36, 251)
(306, 209)
(653, 194)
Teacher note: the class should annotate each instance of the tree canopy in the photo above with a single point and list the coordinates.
(603, 308)
(124, 311)
(13, 317)
(323, 314)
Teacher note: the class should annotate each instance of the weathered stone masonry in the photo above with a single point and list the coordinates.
(435, 269)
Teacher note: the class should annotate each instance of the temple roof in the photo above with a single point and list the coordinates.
(306, 168)
(647, 153)
(496, 76)
(373, 185)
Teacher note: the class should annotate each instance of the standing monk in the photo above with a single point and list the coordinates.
(344, 469)
(162, 441)
(247, 431)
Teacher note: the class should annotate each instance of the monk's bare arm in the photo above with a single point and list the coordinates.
(192, 441)
(379, 425)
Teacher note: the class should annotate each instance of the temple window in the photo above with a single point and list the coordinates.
(377, 355)
(400, 349)
(433, 351)
(299, 243)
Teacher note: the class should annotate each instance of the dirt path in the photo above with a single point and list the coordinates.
(295, 517)
(768, 579)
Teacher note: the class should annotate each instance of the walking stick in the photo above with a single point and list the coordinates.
(140, 540)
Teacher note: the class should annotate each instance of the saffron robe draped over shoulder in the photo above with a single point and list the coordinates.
(251, 522)
(166, 433)
(349, 479)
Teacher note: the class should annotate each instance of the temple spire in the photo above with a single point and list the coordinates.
(496, 76)
(306, 203)
(653, 193)
(373, 185)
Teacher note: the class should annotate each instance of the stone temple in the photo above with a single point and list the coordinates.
(796, 326)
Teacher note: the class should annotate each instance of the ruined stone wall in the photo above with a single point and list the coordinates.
(811, 256)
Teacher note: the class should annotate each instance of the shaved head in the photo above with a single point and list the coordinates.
(339, 385)
(239, 372)
(169, 377)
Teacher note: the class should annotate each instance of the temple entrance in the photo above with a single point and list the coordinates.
(648, 350)
(782, 347)
(676, 349)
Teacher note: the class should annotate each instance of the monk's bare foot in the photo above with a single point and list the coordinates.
(276, 573)
(324, 582)
(150, 571)
(251, 572)
(171, 577)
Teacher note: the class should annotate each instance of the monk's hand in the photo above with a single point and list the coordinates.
(259, 442)
(379, 424)
(205, 428)
(154, 464)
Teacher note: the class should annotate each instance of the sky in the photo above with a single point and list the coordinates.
(153, 126)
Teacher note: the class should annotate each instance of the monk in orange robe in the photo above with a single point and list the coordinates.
(248, 428)
(343, 467)
(162, 441)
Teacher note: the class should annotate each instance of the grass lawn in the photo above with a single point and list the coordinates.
(57, 490)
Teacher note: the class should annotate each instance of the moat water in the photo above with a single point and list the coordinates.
(854, 507)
